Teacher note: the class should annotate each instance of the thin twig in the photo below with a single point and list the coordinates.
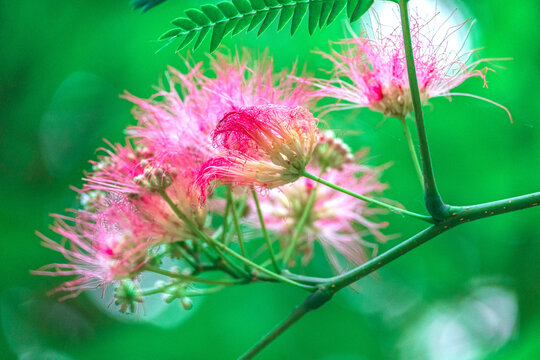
(265, 233)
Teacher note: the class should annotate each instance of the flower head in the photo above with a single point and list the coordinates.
(101, 247)
(134, 172)
(265, 146)
(372, 71)
(238, 84)
(176, 124)
(340, 224)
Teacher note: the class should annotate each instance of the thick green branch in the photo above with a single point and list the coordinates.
(434, 203)
(457, 216)
(314, 301)
(475, 212)
(339, 282)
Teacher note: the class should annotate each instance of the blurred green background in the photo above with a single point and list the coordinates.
(472, 293)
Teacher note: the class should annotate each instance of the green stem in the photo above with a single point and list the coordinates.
(236, 224)
(412, 150)
(434, 204)
(226, 217)
(198, 292)
(262, 269)
(314, 301)
(300, 225)
(198, 232)
(186, 256)
(368, 199)
(217, 246)
(157, 290)
(189, 278)
(265, 232)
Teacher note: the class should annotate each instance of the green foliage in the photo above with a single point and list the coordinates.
(237, 15)
(145, 5)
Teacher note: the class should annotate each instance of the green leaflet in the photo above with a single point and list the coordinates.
(337, 8)
(213, 13)
(186, 40)
(257, 19)
(361, 8)
(170, 33)
(198, 17)
(299, 13)
(242, 24)
(286, 15)
(325, 12)
(228, 9)
(217, 36)
(201, 37)
(243, 6)
(184, 23)
(235, 16)
(315, 9)
(268, 20)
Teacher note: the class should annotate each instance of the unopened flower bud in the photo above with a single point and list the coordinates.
(168, 298)
(160, 284)
(154, 179)
(332, 152)
(187, 304)
(127, 295)
(91, 199)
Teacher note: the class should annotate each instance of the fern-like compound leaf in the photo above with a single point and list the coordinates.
(235, 16)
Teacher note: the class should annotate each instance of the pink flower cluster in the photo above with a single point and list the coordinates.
(266, 146)
(248, 128)
(340, 225)
(372, 71)
(124, 217)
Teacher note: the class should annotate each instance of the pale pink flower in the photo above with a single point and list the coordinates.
(131, 171)
(341, 224)
(116, 169)
(239, 84)
(176, 126)
(263, 146)
(372, 71)
(123, 213)
(101, 247)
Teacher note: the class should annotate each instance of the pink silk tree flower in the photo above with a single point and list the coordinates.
(116, 169)
(372, 71)
(131, 171)
(338, 222)
(263, 146)
(101, 247)
(238, 84)
(176, 125)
